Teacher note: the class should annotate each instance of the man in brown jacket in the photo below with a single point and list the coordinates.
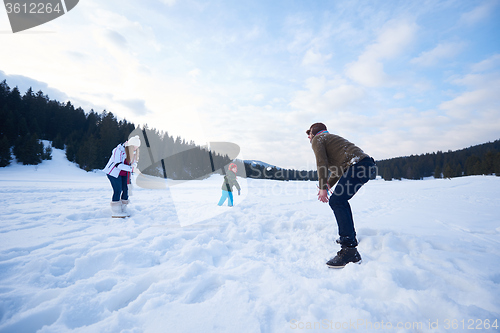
(340, 162)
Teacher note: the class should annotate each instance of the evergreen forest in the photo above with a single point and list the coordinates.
(482, 159)
(89, 138)
(26, 119)
(165, 157)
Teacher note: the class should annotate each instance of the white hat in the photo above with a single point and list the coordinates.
(133, 141)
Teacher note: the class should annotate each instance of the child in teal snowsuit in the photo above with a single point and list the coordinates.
(227, 185)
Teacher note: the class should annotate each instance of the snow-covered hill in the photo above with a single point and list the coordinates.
(431, 256)
(264, 164)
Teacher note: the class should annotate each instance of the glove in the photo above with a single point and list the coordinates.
(239, 192)
(134, 165)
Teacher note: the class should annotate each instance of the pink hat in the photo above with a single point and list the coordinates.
(233, 166)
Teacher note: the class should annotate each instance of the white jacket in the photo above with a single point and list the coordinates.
(116, 162)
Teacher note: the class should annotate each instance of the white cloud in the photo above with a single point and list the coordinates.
(136, 106)
(254, 33)
(23, 83)
(394, 38)
(487, 64)
(194, 73)
(481, 97)
(258, 97)
(476, 111)
(479, 13)
(169, 2)
(324, 96)
(368, 72)
(312, 58)
(471, 103)
(116, 39)
(440, 52)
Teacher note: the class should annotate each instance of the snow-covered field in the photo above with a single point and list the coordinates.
(431, 256)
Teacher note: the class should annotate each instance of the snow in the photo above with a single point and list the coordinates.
(430, 252)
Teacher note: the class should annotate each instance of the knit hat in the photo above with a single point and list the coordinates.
(233, 166)
(133, 141)
(316, 128)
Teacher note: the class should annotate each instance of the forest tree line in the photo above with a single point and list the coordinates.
(26, 119)
(482, 159)
(89, 138)
(164, 156)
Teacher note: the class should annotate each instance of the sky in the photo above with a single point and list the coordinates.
(394, 77)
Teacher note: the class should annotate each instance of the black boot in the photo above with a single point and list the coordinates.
(347, 241)
(343, 257)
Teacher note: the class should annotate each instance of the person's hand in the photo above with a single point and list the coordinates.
(239, 192)
(134, 165)
(323, 195)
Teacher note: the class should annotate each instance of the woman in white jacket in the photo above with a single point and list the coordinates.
(122, 162)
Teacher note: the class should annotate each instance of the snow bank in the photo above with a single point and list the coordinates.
(430, 256)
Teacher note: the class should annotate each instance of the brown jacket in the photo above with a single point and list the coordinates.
(335, 154)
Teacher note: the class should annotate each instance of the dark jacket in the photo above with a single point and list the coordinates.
(334, 154)
(230, 181)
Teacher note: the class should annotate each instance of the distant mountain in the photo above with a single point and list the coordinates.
(264, 164)
(262, 170)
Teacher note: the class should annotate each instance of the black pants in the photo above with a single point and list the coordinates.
(350, 183)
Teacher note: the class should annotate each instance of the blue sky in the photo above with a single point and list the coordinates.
(394, 77)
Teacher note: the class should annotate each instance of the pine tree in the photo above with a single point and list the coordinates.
(47, 153)
(22, 128)
(4, 92)
(396, 174)
(58, 142)
(471, 165)
(438, 172)
(108, 139)
(5, 156)
(71, 151)
(497, 164)
(458, 171)
(14, 101)
(488, 163)
(448, 171)
(28, 150)
(87, 154)
(387, 175)
(7, 125)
